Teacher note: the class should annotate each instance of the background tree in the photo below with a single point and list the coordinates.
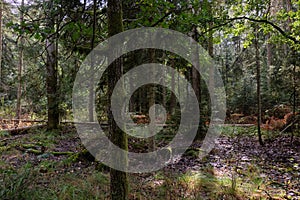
(91, 92)
(21, 62)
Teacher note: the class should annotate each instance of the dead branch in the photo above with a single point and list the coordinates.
(288, 126)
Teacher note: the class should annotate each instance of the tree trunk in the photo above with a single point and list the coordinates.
(91, 89)
(195, 76)
(152, 97)
(118, 179)
(288, 5)
(140, 99)
(294, 99)
(132, 99)
(172, 96)
(51, 77)
(163, 91)
(20, 67)
(53, 114)
(257, 59)
(269, 61)
(211, 51)
(133, 102)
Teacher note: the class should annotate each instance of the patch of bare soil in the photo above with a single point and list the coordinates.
(277, 163)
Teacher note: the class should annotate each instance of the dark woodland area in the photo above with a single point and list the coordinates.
(254, 46)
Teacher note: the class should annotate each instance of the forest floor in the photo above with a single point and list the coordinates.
(54, 165)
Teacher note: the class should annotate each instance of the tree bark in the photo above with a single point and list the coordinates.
(269, 61)
(91, 89)
(164, 91)
(118, 179)
(51, 76)
(258, 75)
(294, 100)
(195, 76)
(20, 67)
(133, 97)
(152, 97)
(172, 96)
(210, 48)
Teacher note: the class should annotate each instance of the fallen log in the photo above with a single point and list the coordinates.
(22, 130)
(10, 138)
(240, 125)
(40, 152)
(106, 123)
(24, 120)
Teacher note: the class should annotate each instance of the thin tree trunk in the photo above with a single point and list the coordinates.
(152, 103)
(118, 179)
(134, 98)
(294, 99)
(288, 5)
(172, 96)
(164, 91)
(196, 81)
(258, 74)
(91, 89)
(211, 49)
(140, 105)
(269, 61)
(20, 67)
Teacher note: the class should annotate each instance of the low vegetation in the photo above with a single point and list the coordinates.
(237, 168)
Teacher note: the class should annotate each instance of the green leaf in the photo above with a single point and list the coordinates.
(9, 24)
(37, 36)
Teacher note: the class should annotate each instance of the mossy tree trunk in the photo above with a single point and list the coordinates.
(51, 75)
(118, 179)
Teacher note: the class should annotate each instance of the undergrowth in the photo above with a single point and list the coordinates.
(72, 177)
